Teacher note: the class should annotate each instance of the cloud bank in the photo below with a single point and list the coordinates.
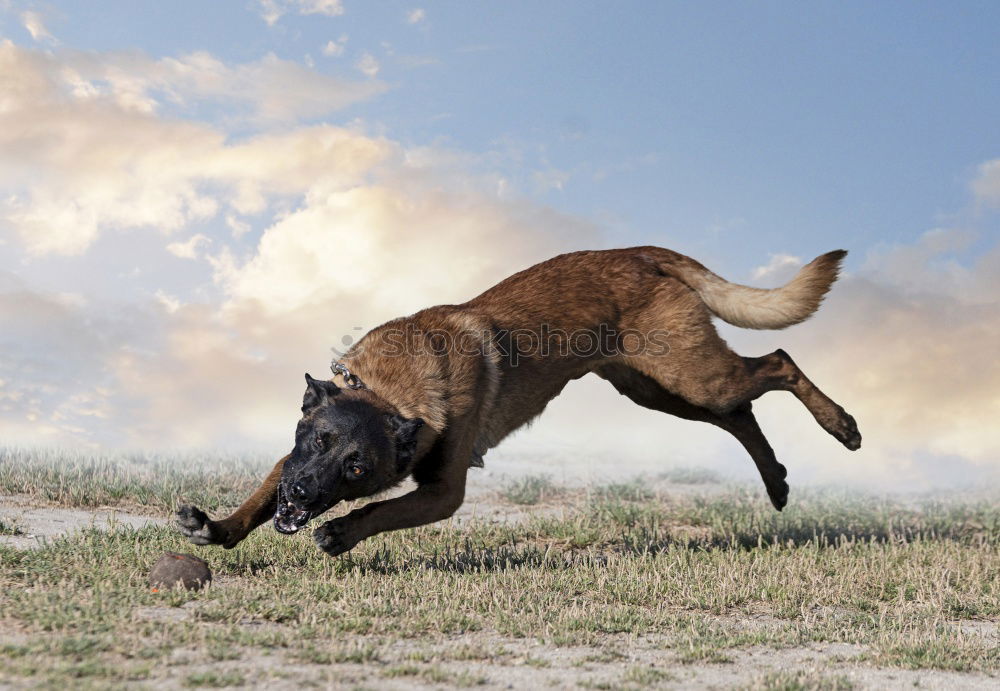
(354, 229)
(271, 11)
(290, 237)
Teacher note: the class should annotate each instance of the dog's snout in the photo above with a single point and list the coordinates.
(298, 492)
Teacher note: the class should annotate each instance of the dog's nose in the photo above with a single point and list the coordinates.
(298, 491)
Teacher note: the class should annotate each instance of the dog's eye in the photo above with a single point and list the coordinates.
(320, 443)
(354, 467)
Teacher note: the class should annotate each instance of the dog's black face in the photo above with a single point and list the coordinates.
(345, 448)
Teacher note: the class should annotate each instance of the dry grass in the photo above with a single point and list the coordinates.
(696, 579)
(10, 526)
(151, 481)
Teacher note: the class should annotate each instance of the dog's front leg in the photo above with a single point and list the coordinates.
(197, 527)
(426, 504)
(434, 500)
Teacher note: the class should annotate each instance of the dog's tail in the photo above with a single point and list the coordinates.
(757, 308)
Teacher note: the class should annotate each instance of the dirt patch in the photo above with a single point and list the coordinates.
(35, 525)
(827, 661)
(979, 627)
(617, 661)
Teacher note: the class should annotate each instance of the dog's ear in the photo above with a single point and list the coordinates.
(318, 392)
(404, 434)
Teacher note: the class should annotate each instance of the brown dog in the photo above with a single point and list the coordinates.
(426, 396)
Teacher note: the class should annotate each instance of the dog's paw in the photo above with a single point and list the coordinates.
(777, 490)
(846, 432)
(197, 527)
(336, 536)
(774, 481)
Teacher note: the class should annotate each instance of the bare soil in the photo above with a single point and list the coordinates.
(36, 524)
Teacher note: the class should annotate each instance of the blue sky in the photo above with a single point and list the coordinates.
(802, 125)
(172, 172)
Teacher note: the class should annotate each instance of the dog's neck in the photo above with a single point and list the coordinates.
(411, 386)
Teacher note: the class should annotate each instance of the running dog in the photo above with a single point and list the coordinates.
(427, 396)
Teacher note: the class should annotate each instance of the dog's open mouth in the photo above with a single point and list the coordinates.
(288, 518)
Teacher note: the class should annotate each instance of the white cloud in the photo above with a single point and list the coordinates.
(335, 47)
(368, 65)
(189, 249)
(907, 345)
(352, 258)
(780, 266)
(550, 179)
(75, 164)
(329, 8)
(35, 25)
(356, 229)
(59, 383)
(273, 10)
(275, 89)
(913, 266)
(265, 91)
(416, 15)
(169, 302)
(986, 185)
(373, 246)
(237, 226)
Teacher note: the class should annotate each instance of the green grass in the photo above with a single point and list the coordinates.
(530, 489)
(214, 679)
(706, 576)
(646, 676)
(149, 481)
(691, 476)
(635, 490)
(10, 526)
(801, 681)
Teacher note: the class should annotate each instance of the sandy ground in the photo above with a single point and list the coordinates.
(38, 524)
(534, 665)
(617, 662)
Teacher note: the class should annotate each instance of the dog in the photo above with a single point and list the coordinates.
(427, 396)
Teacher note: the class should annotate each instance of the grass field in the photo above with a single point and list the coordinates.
(676, 581)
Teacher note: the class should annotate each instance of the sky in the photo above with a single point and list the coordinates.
(199, 200)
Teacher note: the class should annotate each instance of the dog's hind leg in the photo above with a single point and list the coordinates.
(197, 527)
(741, 423)
(777, 371)
(702, 369)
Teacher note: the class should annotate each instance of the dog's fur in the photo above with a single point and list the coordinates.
(431, 412)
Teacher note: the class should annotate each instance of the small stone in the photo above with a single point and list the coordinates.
(188, 570)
